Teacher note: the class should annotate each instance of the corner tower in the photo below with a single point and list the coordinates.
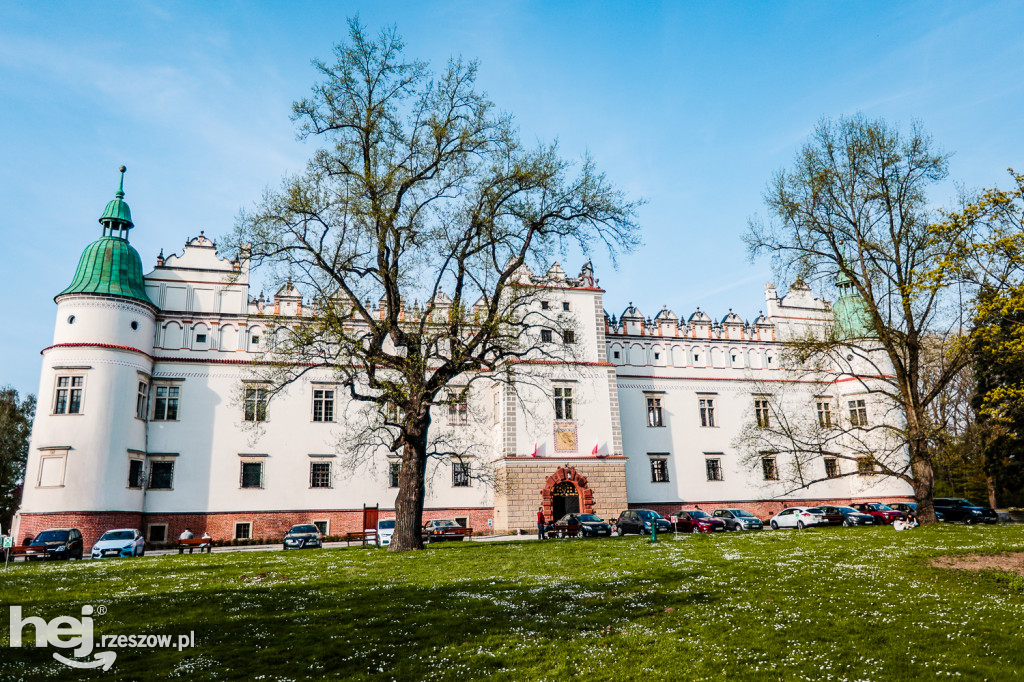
(86, 458)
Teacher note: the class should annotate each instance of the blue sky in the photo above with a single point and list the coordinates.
(690, 106)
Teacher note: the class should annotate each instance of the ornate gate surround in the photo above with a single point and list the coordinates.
(568, 474)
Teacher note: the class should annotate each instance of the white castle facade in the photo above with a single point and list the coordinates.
(147, 398)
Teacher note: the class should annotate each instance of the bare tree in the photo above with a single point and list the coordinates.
(421, 190)
(853, 210)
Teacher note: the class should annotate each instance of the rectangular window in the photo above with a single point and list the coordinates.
(458, 409)
(707, 412)
(654, 411)
(568, 336)
(713, 465)
(165, 403)
(320, 475)
(565, 305)
(831, 467)
(255, 404)
(391, 412)
(51, 470)
(858, 413)
(563, 403)
(866, 465)
(394, 472)
(161, 475)
(322, 526)
(545, 336)
(769, 468)
(158, 532)
(200, 338)
(141, 406)
(824, 414)
(243, 531)
(252, 475)
(135, 479)
(761, 413)
(323, 405)
(544, 305)
(462, 521)
(460, 474)
(68, 397)
(659, 470)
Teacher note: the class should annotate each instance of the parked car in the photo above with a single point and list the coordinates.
(57, 543)
(831, 516)
(797, 517)
(385, 531)
(441, 530)
(959, 509)
(119, 542)
(911, 508)
(639, 521)
(696, 521)
(852, 517)
(303, 536)
(738, 519)
(579, 525)
(882, 513)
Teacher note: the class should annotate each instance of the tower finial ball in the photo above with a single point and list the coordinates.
(123, 169)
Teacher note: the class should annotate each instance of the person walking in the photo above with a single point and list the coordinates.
(541, 523)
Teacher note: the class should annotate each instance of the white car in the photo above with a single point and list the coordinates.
(385, 529)
(797, 517)
(119, 542)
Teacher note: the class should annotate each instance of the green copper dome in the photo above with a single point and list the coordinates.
(851, 314)
(110, 265)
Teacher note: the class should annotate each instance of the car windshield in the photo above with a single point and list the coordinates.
(386, 524)
(310, 528)
(743, 513)
(52, 536)
(879, 507)
(699, 514)
(118, 535)
(647, 514)
(830, 510)
(848, 510)
(590, 518)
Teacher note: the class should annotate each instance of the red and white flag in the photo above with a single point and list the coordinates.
(593, 452)
(534, 449)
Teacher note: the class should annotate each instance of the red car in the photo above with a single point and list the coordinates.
(695, 521)
(882, 513)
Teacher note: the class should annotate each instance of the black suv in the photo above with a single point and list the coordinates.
(959, 509)
(57, 543)
(639, 521)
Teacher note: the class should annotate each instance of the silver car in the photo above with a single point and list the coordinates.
(738, 519)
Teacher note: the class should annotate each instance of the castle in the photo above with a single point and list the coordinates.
(147, 396)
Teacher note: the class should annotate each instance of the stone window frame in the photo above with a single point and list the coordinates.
(149, 532)
(159, 458)
(328, 404)
(52, 454)
(155, 399)
(249, 530)
(320, 459)
(659, 473)
(69, 389)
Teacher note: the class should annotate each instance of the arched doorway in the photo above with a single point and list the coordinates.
(565, 499)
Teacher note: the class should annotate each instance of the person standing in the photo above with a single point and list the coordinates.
(541, 524)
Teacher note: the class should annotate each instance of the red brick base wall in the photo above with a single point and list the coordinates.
(763, 509)
(221, 525)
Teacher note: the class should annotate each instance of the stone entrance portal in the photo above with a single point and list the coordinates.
(565, 499)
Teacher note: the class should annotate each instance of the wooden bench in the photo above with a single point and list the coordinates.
(364, 537)
(16, 551)
(202, 544)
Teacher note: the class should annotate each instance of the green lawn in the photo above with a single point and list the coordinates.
(831, 604)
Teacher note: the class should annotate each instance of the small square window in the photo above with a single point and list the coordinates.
(320, 475)
(157, 532)
(569, 336)
(252, 475)
(615, 354)
(866, 465)
(565, 305)
(322, 526)
(545, 335)
(544, 305)
(200, 338)
(243, 531)
(161, 475)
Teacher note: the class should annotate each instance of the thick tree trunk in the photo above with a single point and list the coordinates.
(411, 493)
(924, 483)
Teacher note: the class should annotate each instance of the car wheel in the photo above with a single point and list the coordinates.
(970, 520)
(775, 525)
(799, 525)
(847, 522)
(695, 529)
(619, 532)
(878, 521)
